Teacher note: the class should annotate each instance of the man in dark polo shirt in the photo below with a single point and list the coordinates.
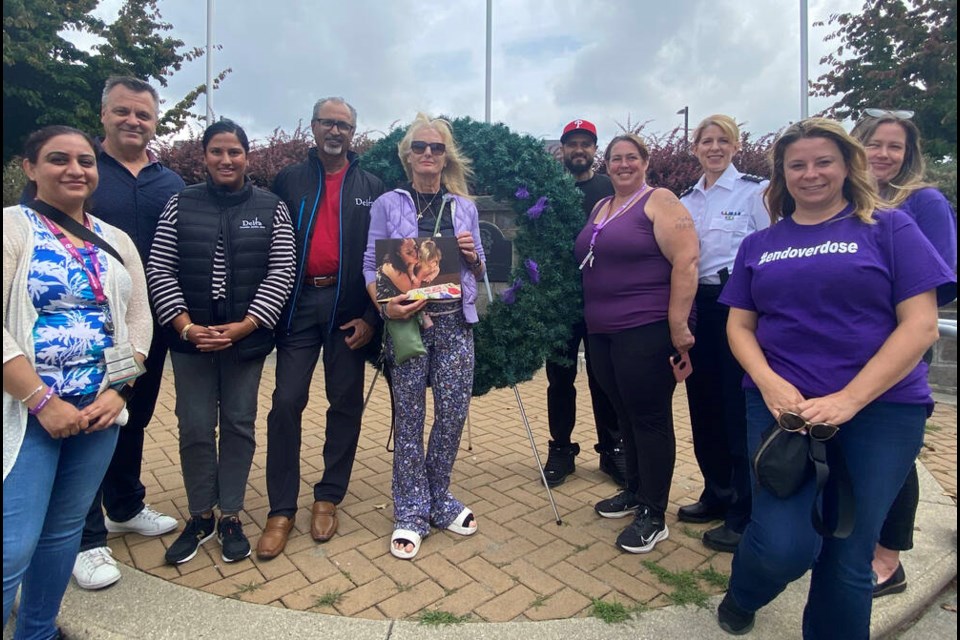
(579, 148)
(329, 197)
(134, 188)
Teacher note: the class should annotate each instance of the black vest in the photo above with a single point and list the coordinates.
(245, 220)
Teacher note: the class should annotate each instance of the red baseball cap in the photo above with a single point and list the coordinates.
(579, 125)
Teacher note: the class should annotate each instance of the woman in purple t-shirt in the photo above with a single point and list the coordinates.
(892, 143)
(638, 255)
(831, 309)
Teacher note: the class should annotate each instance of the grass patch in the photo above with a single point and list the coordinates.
(686, 590)
(715, 578)
(581, 547)
(328, 599)
(539, 601)
(249, 587)
(610, 612)
(932, 428)
(438, 617)
(403, 586)
(690, 532)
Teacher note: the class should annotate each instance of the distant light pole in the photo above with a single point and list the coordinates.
(686, 125)
(486, 117)
(209, 62)
(804, 72)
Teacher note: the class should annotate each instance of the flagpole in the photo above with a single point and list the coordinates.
(209, 91)
(486, 117)
(804, 71)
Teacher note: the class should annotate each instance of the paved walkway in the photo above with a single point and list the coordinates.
(520, 567)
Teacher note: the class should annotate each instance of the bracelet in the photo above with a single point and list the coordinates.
(32, 393)
(474, 265)
(43, 402)
(185, 333)
(252, 321)
(383, 311)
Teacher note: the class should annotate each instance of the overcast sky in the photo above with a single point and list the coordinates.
(608, 61)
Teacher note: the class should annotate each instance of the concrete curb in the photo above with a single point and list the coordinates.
(148, 608)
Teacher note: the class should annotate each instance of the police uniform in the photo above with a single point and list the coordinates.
(725, 214)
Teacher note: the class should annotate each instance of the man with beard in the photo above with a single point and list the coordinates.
(329, 197)
(579, 147)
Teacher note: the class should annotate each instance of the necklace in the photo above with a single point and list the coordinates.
(599, 226)
(423, 208)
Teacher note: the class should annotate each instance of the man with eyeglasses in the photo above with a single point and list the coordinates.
(329, 197)
(578, 145)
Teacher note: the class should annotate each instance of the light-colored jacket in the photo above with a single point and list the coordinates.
(394, 215)
(126, 291)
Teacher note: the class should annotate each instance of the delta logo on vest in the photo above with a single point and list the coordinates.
(360, 202)
(251, 224)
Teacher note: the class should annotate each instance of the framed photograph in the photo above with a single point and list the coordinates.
(423, 268)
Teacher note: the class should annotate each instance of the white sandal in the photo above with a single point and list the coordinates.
(461, 522)
(405, 536)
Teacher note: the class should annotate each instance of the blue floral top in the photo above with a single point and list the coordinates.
(68, 336)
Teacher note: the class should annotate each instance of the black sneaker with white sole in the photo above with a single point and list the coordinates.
(197, 531)
(619, 506)
(643, 533)
(234, 545)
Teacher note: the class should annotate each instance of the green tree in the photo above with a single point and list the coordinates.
(49, 80)
(897, 55)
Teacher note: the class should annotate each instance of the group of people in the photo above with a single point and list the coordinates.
(818, 290)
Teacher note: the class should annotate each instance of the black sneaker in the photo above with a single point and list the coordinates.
(197, 531)
(619, 506)
(732, 618)
(643, 533)
(614, 463)
(560, 462)
(235, 545)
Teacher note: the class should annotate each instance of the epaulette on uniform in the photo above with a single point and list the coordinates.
(688, 190)
(752, 178)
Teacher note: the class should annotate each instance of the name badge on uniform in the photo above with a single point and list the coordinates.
(122, 366)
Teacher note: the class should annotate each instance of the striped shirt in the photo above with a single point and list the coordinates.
(164, 265)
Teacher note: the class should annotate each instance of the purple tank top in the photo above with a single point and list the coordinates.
(629, 283)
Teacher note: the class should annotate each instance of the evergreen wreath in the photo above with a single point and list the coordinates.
(532, 319)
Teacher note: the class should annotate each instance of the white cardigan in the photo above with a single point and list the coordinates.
(126, 291)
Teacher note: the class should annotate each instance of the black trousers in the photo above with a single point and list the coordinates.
(121, 493)
(562, 396)
(718, 413)
(633, 368)
(297, 356)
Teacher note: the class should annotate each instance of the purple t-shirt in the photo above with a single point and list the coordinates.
(629, 283)
(933, 214)
(826, 294)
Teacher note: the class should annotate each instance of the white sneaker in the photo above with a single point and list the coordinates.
(95, 568)
(147, 523)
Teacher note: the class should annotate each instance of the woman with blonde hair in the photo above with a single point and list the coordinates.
(435, 203)
(831, 310)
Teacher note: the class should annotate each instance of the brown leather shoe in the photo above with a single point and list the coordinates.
(274, 537)
(323, 524)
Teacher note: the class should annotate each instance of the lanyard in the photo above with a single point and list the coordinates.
(436, 227)
(600, 226)
(93, 277)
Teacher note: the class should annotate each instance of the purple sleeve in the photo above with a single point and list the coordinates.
(933, 214)
(737, 292)
(916, 266)
(378, 231)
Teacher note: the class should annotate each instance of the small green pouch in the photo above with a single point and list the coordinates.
(406, 339)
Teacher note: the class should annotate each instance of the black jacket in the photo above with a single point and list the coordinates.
(300, 185)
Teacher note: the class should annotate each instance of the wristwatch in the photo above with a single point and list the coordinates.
(125, 391)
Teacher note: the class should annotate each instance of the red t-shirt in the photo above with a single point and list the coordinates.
(324, 258)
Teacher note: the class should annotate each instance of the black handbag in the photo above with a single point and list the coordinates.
(786, 460)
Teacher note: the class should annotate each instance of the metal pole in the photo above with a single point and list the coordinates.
(804, 71)
(686, 125)
(486, 116)
(209, 62)
(536, 454)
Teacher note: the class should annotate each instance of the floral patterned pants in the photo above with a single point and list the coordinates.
(421, 483)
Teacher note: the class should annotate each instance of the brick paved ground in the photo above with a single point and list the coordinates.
(520, 565)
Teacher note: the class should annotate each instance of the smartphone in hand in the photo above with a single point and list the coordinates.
(681, 366)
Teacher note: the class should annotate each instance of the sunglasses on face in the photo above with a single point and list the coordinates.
(899, 114)
(327, 123)
(436, 148)
(793, 422)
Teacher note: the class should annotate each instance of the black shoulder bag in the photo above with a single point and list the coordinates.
(67, 223)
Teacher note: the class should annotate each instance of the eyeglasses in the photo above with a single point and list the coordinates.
(793, 422)
(899, 114)
(436, 148)
(327, 123)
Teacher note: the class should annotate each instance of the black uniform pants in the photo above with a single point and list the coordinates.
(562, 396)
(718, 413)
(297, 356)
